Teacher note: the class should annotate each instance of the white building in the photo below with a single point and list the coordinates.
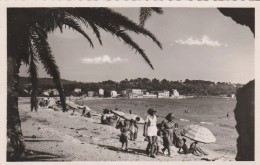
(77, 90)
(163, 94)
(91, 93)
(47, 92)
(175, 93)
(101, 92)
(113, 93)
(137, 91)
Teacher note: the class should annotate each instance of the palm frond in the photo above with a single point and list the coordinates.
(128, 40)
(74, 13)
(74, 25)
(44, 53)
(96, 31)
(104, 17)
(146, 12)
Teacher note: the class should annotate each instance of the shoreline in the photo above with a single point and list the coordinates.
(75, 138)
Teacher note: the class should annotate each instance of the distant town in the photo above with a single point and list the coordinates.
(134, 88)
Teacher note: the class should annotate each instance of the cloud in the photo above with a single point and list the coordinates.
(103, 59)
(205, 40)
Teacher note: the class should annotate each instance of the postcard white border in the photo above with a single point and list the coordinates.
(4, 4)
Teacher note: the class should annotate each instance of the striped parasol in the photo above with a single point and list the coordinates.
(198, 133)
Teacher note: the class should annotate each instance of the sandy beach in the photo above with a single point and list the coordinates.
(56, 136)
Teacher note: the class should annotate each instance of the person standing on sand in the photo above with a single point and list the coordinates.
(228, 115)
(83, 111)
(167, 126)
(124, 134)
(133, 129)
(150, 131)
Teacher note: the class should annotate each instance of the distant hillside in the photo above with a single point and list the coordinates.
(188, 87)
(43, 81)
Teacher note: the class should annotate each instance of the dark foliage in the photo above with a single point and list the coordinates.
(188, 87)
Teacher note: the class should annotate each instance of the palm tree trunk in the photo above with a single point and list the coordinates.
(14, 131)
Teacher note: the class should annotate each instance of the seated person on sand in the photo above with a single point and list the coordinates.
(183, 147)
(104, 116)
(195, 150)
(88, 114)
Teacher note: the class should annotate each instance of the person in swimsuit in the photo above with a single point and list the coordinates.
(150, 131)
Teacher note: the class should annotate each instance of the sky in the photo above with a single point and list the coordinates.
(198, 44)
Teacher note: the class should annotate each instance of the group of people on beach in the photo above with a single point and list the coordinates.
(161, 137)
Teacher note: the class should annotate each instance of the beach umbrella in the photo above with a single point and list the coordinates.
(118, 113)
(71, 104)
(84, 106)
(52, 102)
(134, 117)
(198, 133)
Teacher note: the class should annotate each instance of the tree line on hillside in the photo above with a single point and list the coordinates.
(187, 87)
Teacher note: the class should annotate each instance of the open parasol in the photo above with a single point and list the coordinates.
(52, 102)
(128, 116)
(71, 104)
(84, 106)
(198, 133)
(118, 113)
(134, 117)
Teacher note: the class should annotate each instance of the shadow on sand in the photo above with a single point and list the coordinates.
(32, 155)
(134, 151)
(34, 140)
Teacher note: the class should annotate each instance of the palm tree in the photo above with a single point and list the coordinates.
(27, 32)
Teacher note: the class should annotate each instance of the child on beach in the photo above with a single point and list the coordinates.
(124, 134)
(159, 141)
(133, 129)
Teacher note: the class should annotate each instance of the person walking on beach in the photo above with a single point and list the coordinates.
(150, 131)
(167, 126)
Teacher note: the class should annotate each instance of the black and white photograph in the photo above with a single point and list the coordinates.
(132, 83)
